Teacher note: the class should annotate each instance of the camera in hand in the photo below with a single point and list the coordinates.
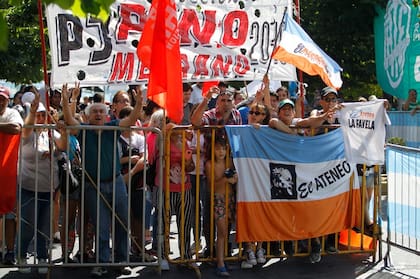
(229, 173)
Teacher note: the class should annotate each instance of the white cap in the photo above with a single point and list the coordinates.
(41, 107)
(28, 97)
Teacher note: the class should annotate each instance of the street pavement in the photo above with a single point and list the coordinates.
(404, 265)
(399, 264)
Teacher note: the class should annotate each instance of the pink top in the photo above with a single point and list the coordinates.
(175, 171)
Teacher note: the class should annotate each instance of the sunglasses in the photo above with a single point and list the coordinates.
(329, 100)
(256, 113)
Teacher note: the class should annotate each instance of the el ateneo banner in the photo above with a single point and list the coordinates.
(292, 187)
(397, 48)
(220, 40)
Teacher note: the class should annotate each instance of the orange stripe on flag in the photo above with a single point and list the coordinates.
(303, 64)
(268, 221)
(9, 147)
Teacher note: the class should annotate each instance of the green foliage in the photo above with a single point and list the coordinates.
(396, 140)
(4, 37)
(21, 61)
(91, 6)
(344, 30)
(65, 4)
(20, 44)
(362, 90)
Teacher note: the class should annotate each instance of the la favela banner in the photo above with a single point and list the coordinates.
(220, 40)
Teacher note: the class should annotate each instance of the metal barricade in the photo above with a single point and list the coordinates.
(36, 211)
(403, 199)
(202, 248)
(195, 241)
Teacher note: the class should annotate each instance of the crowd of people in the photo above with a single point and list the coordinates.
(114, 172)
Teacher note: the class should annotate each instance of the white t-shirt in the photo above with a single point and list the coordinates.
(196, 95)
(30, 169)
(137, 141)
(363, 125)
(11, 116)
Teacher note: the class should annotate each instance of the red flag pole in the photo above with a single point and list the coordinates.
(300, 73)
(44, 66)
(43, 54)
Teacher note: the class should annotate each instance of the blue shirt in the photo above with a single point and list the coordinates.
(244, 114)
(109, 153)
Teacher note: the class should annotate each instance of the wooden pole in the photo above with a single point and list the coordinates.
(300, 73)
(43, 54)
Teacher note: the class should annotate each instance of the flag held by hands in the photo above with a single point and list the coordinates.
(159, 51)
(298, 49)
(284, 194)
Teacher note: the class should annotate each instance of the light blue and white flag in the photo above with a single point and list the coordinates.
(403, 169)
(298, 49)
(291, 187)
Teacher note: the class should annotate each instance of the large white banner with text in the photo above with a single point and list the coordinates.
(220, 40)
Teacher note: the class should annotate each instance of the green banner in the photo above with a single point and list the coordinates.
(397, 48)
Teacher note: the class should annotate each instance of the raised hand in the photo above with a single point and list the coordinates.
(65, 95)
(75, 93)
(35, 102)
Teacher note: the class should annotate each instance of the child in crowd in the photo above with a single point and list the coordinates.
(179, 184)
(218, 175)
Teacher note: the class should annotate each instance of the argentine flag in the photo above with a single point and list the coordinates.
(403, 169)
(298, 49)
(292, 187)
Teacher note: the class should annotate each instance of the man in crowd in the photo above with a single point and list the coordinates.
(111, 183)
(10, 123)
(286, 118)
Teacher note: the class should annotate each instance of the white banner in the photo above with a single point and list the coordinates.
(221, 40)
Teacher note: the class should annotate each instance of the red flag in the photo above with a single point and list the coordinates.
(9, 147)
(207, 85)
(158, 50)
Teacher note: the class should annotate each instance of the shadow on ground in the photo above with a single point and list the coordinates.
(344, 266)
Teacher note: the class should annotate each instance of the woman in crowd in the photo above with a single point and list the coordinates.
(133, 163)
(38, 152)
(258, 114)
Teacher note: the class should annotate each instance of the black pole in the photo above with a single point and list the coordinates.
(278, 37)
